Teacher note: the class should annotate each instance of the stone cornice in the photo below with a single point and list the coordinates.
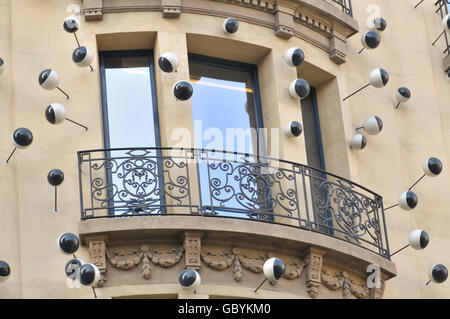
(316, 22)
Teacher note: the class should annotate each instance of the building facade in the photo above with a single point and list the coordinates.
(222, 180)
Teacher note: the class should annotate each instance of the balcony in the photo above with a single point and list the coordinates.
(156, 183)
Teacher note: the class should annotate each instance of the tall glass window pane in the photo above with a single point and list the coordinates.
(226, 116)
(134, 177)
(129, 102)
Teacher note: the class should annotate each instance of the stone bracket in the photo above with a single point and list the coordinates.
(93, 10)
(192, 247)
(284, 22)
(314, 260)
(171, 8)
(97, 255)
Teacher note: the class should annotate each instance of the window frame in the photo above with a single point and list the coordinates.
(154, 98)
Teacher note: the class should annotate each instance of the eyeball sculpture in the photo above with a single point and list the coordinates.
(182, 90)
(294, 129)
(230, 25)
(55, 177)
(189, 280)
(22, 137)
(55, 113)
(71, 24)
(432, 167)
(402, 95)
(418, 239)
(2, 65)
(72, 268)
(373, 125)
(68, 243)
(294, 57)
(378, 78)
(5, 271)
(438, 274)
(370, 40)
(380, 24)
(407, 200)
(48, 79)
(274, 269)
(446, 22)
(358, 142)
(299, 89)
(89, 275)
(168, 62)
(82, 57)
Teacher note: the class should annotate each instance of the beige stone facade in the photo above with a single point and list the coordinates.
(141, 257)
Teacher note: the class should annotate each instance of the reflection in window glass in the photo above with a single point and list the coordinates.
(226, 118)
(129, 117)
(129, 98)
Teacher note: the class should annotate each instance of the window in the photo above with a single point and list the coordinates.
(227, 116)
(130, 120)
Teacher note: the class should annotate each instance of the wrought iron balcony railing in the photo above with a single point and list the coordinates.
(443, 7)
(344, 5)
(197, 182)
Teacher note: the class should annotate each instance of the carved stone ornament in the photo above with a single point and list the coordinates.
(192, 248)
(97, 255)
(241, 260)
(313, 261)
(348, 286)
(126, 259)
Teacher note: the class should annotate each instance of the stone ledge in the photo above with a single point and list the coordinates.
(238, 231)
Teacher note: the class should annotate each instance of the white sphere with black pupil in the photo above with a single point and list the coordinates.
(2, 65)
(55, 177)
(358, 142)
(370, 40)
(299, 89)
(82, 57)
(182, 90)
(72, 268)
(380, 24)
(168, 62)
(432, 167)
(189, 280)
(55, 113)
(5, 270)
(446, 22)
(373, 125)
(407, 200)
(294, 129)
(294, 57)
(48, 79)
(438, 273)
(230, 25)
(89, 275)
(68, 243)
(378, 78)
(274, 269)
(418, 239)
(22, 137)
(403, 94)
(71, 24)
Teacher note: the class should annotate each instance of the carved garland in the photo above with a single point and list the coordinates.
(240, 261)
(120, 260)
(349, 287)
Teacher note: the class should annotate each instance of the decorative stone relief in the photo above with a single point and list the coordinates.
(93, 10)
(97, 255)
(192, 247)
(253, 262)
(314, 259)
(126, 259)
(348, 286)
